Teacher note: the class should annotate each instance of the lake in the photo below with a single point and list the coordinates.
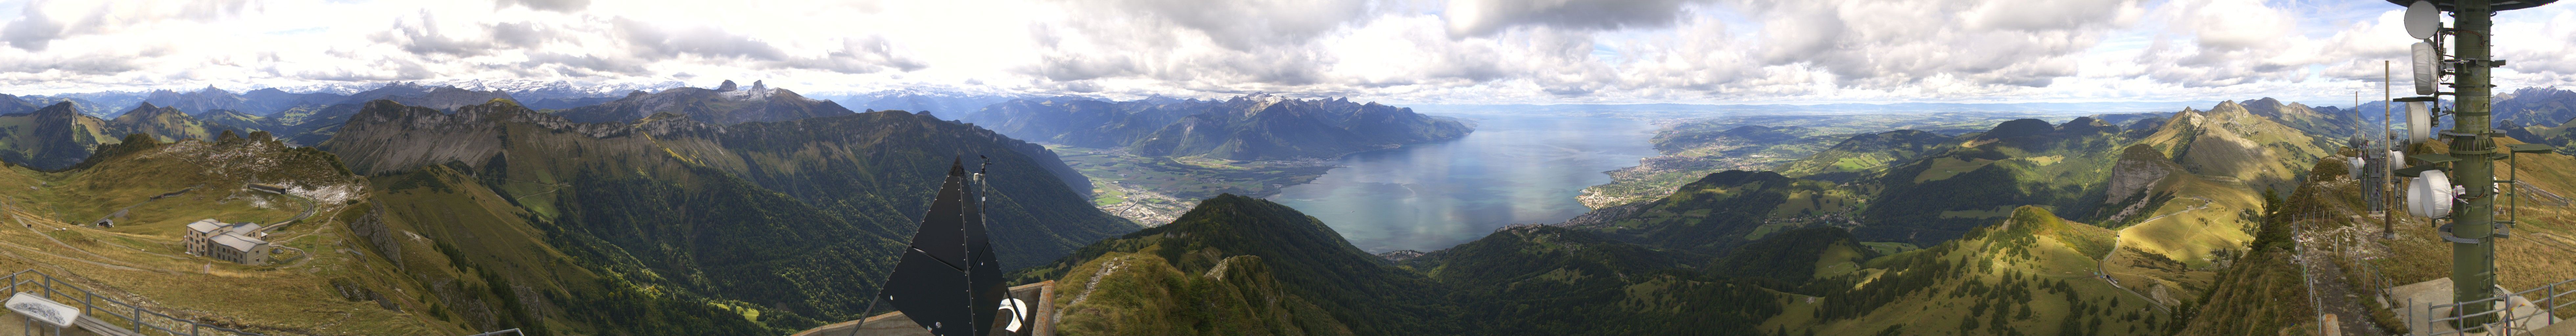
(1514, 169)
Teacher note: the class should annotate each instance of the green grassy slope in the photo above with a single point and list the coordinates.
(1863, 154)
(314, 288)
(2020, 162)
(487, 266)
(1730, 208)
(1547, 280)
(2026, 275)
(2229, 141)
(2263, 291)
(867, 166)
(634, 211)
(52, 137)
(1309, 263)
(696, 213)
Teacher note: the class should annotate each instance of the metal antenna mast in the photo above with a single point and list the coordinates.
(2472, 158)
(2387, 193)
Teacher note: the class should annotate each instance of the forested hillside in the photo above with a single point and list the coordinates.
(682, 211)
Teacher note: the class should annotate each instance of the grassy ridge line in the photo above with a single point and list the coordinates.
(2025, 275)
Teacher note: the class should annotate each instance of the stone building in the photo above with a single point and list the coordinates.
(234, 242)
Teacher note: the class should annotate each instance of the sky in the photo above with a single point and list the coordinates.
(1397, 51)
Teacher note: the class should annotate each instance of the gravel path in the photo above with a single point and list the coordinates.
(2333, 294)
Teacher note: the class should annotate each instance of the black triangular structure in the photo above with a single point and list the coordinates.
(949, 281)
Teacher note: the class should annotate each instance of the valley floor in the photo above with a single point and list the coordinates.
(1155, 190)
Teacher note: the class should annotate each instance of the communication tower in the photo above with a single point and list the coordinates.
(2460, 186)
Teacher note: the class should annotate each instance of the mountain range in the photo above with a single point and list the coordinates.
(754, 210)
(771, 214)
(2028, 227)
(1251, 127)
(726, 104)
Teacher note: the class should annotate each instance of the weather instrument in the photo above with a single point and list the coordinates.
(2459, 185)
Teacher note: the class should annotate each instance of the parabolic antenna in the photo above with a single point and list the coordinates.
(2498, 5)
(2352, 167)
(2419, 122)
(2429, 195)
(2422, 20)
(2428, 60)
(2396, 158)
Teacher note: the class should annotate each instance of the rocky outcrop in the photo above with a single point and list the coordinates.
(395, 136)
(2139, 168)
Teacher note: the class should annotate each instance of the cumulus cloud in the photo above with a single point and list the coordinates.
(1246, 25)
(32, 31)
(1416, 51)
(1485, 17)
(547, 5)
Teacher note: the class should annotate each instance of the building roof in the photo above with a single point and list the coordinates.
(244, 229)
(238, 243)
(205, 225)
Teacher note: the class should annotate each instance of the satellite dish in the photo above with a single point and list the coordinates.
(2419, 122)
(2422, 20)
(2430, 195)
(2352, 166)
(2396, 158)
(2427, 59)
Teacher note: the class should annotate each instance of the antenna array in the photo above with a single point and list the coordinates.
(2459, 186)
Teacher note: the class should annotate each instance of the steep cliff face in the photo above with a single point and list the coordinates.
(2139, 167)
(2229, 141)
(314, 123)
(53, 137)
(390, 136)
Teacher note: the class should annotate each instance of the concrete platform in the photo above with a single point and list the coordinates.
(895, 324)
(2417, 300)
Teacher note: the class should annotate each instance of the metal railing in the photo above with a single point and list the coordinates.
(511, 331)
(2507, 321)
(108, 309)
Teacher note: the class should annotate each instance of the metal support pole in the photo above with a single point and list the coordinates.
(2473, 263)
(2387, 191)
